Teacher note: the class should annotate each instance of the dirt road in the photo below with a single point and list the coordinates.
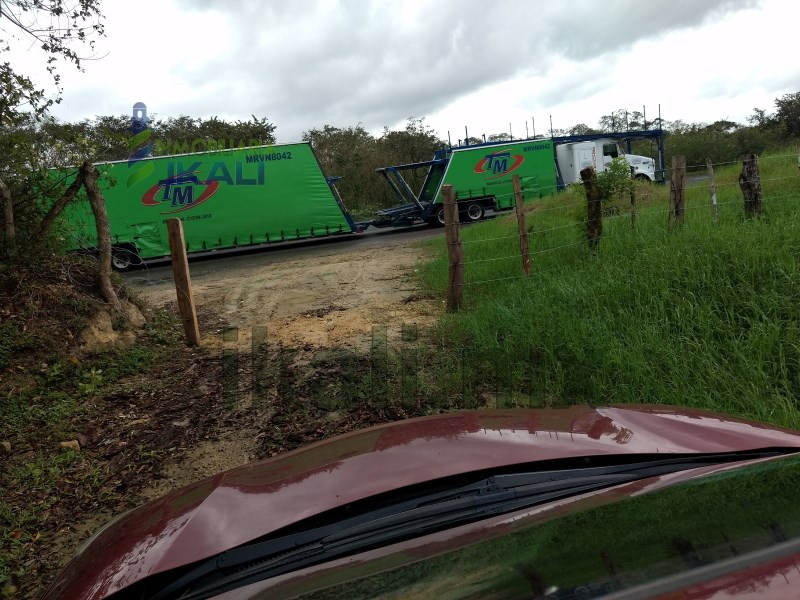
(314, 302)
(308, 298)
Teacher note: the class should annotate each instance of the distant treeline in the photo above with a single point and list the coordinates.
(722, 141)
(353, 153)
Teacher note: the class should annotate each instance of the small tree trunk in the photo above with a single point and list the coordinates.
(8, 215)
(98, 204)
(594, 221)
(750, 184)
(59, 206)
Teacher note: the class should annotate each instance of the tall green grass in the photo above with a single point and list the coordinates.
(699, 315)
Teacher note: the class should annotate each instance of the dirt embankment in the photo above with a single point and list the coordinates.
(309, 375)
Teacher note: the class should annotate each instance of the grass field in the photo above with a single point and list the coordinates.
(700, 315)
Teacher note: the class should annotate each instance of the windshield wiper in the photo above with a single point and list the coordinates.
(424, 514)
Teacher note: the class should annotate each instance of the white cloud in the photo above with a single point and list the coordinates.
(484, 64)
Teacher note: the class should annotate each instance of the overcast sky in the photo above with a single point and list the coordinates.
(480, 63)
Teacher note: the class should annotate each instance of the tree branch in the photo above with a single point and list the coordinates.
(59, 206)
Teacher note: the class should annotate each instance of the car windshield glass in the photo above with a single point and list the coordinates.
(596, 552)
(434, 512)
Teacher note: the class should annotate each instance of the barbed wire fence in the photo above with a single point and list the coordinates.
(645, 203)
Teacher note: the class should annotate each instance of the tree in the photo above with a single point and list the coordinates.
(57, 27)
(54, 25)
(615, 121)
(581, 129)
(417, 142)
(723, 126)
(760, 118)
(354, 154)
(788, 113)
(626, 120)
(177, 135)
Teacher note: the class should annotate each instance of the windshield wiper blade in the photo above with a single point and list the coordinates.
(425, 514)
(379, 532)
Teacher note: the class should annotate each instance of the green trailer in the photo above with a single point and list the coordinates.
(481, 177)
(226, 199)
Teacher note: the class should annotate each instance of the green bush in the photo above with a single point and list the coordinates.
(615, 180)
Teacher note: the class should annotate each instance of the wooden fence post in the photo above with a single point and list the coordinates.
(523, 232)
(594, 219)
(455, 252)
(712, 191)
(633, 196)
(677, 183)
(183, 283)
(750, 184)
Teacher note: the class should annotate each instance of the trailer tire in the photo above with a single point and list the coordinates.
(473, 212)
(124, 257)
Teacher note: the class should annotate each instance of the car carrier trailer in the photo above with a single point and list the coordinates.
(482, 174)
(226, 199)
(481, 177)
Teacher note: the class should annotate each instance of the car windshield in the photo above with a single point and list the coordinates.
(600, 551)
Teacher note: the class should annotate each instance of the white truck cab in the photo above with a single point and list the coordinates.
(573, 157)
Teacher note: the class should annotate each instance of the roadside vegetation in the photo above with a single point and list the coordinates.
(699, 315)
(53, 392)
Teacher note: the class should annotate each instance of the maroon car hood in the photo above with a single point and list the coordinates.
(237, 506)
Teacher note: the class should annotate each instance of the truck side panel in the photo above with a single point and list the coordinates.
(226, 199)
(485, 171)
(573, 158)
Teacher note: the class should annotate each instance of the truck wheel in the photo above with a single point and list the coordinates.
(642, 177)
(474, 212)
(440, 217)
(123, 259)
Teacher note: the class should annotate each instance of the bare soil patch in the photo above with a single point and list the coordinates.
(317, 302)
(319, 313)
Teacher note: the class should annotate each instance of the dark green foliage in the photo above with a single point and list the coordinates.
(354, 154)
(788, 113)
(615, 180)
(725, 141)
(720, 141)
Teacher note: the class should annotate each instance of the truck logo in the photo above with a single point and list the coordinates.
(179, 192)
(496, 163)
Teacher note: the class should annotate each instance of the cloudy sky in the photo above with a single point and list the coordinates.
(479, 63)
